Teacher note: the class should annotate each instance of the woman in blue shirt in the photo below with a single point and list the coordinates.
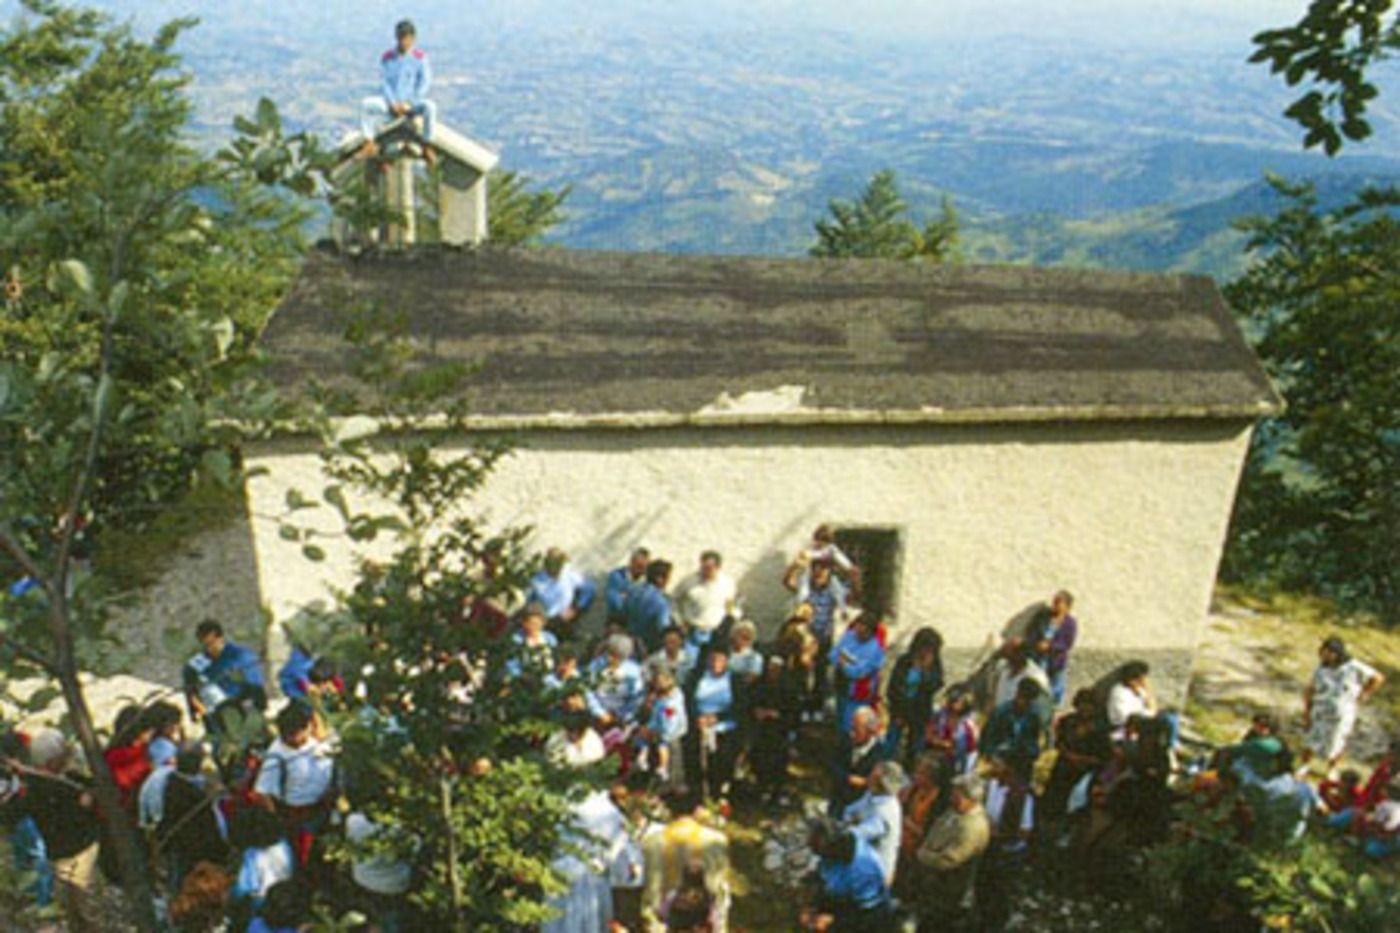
(713, 742)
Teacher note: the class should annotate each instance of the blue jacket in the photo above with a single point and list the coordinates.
(858, 884)
(620, 590)
(406, 78)
(235, 675)
(648, 615)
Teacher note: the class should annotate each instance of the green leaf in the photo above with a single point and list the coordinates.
(313, 552)
(222, 331)
(218, 466)
(102, 397)
(288, 533)
(75, 273)
(42, 699)
(116, 301)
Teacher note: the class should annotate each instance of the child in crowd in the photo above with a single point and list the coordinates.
(659, 741)
(952, 732)
(1342, 793)
(744, 660)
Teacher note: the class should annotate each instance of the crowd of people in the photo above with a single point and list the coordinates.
(936, 791)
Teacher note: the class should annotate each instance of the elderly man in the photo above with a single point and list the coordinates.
(948, 856)
(878, 818)
(405, 79)
(860, 751)
(58, 799)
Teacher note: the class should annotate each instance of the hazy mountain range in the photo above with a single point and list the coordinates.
(1079, 132)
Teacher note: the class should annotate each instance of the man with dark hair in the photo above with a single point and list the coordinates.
(649, 610)
(851, 890)
(1014, 730)
(705, 599)
(221, 676)
(297, 778)
(405, 79)
(189, 831)
(1052, 637)
(1338, 688)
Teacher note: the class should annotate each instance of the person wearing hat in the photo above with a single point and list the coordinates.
(1339, 686)
(406, 78)
(60, 802)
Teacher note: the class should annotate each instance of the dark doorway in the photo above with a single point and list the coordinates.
(876, 551)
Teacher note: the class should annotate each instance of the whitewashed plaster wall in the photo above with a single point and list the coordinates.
(1131, 517)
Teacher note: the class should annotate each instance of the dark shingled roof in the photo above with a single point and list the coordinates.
(658, 338)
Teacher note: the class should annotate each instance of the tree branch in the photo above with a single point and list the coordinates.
(31, 655)
(11, 546)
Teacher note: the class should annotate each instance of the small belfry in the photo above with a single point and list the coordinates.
(399, 133)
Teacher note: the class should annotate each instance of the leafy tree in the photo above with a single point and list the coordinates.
(1322, 505)
(517, 215)
(445, 746)
(875, 226)
(1331, 47)
(138, 275)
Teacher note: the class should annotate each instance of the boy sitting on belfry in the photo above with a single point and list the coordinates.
(403, 92)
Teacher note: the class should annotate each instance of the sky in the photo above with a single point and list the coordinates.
(1161, 23)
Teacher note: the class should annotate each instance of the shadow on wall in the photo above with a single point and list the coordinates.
(765, 598)
(213, 574)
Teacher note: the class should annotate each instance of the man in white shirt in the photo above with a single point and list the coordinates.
(1015, 666)
(296, 778)
(705, 599)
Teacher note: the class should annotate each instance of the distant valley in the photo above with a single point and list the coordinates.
(734, 141)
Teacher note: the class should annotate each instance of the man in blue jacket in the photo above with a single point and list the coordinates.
(221, 676)
(403, 92)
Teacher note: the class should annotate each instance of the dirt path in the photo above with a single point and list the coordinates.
(1258, 658)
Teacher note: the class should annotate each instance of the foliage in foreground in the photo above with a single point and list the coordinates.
(1217, 873)
(444, 745)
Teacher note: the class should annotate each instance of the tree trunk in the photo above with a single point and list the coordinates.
(136, 879)
(454, 877)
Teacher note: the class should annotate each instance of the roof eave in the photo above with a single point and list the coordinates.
(650, 420)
